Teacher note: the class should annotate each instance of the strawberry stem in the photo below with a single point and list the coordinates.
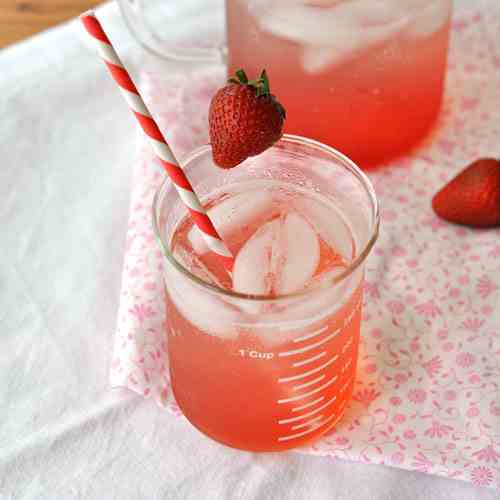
(261, 86)
(265, 82)
(242, 76)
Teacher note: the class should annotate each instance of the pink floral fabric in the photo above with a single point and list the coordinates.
(427, 395)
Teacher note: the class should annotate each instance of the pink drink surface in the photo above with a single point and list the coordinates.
(242, 381)
(364, 77)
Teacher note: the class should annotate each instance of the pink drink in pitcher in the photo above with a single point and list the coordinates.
(363, 76)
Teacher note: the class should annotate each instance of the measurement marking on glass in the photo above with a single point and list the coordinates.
(351, 316)
(310, 372)
(346, 345)
(309, 414)
(308, 431)
(307, 405)
(308, 423)
(356, 307)
(310, 393)
(309, 360)
(347, 364)
(311, 335)
(342, 405)
(310, 346)
(307, 384)
(346, 385)
(245, 353)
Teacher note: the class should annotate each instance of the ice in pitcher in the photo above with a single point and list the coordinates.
(295, 370)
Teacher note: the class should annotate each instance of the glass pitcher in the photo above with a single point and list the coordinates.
(364, 76)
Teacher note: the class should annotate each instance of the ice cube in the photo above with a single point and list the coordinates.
(345, 44)
(201, 307)
(253, 265)
(362, 14)
(318, 58)
(299, 249)
(331, 35)
(235, 211)
(312, 25)
(328, 224)
(279, 258)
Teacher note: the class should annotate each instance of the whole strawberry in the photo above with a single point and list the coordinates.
(473, 196)
(244, 120)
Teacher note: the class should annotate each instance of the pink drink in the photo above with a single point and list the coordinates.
(365, 77)
(265, 358)
(253, 386)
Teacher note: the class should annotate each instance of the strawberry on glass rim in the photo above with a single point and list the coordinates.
(244, 119)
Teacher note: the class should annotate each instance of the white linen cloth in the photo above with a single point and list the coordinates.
(67, 143)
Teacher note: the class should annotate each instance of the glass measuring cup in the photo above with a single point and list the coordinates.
(252, 371)
(363, 76)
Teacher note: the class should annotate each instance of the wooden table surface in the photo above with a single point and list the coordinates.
(22, 18)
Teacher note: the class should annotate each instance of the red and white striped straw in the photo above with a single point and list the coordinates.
(158, 142)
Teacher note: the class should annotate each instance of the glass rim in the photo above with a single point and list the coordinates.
(344, 161)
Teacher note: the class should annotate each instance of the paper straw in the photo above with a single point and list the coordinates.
(158, 142)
